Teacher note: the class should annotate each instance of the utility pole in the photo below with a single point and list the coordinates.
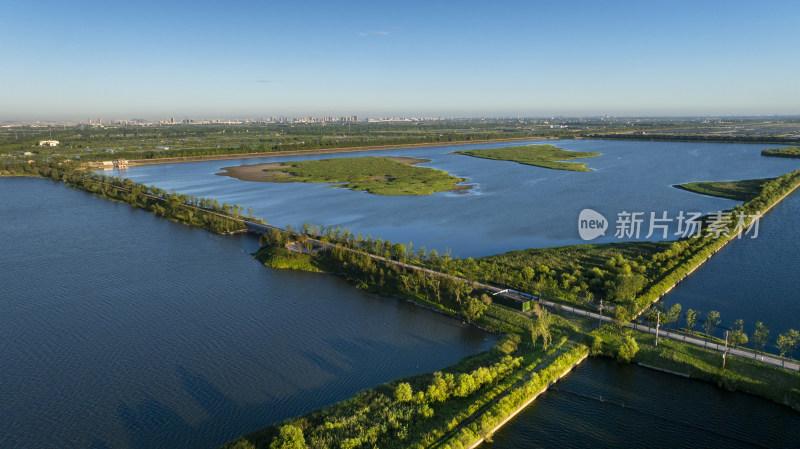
(724, 354)
(600, 319)
(658, 321)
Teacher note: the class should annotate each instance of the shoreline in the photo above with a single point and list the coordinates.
(713, 252)
(175, 160)
(528, 402)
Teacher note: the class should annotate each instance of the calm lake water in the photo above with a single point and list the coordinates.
(120, 329)
(752, 279)
(510, 206)
(603, 404)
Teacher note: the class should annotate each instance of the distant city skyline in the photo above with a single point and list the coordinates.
(181, 59)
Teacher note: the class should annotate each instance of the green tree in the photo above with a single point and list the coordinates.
(787, 342)
(622, 315)
(626, 286)
(472, 309)
(737, 336)
(760, 336)
(691, 318)
(403, 392)
(711, 323)
(290, 437)
(540, 327)
(673, 314)
(628, 349)
(437, 390)
(651, 317)
(460, 289)
(399, 251)
(465, 385)
(527, 273)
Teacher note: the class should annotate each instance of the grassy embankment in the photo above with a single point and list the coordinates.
(739, 374)
(791, 152)
(744, 190)
(376, 175)
(546, 156)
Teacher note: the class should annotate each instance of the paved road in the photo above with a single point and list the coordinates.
(766, 359)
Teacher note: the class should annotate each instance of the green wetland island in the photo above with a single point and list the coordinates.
(550, 322)
(545, 156)
(376, 175)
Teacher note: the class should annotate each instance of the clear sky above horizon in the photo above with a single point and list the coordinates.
(147, 59)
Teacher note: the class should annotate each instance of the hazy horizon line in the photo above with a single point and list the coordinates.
(262, 117)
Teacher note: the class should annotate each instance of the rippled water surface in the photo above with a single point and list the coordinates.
(752, 279)
(603, 404)
(120, 329)
(510, 206)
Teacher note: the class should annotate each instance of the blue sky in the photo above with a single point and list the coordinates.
(148, 59)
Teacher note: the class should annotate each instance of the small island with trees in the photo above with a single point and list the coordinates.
(545, 156)
(376, 175)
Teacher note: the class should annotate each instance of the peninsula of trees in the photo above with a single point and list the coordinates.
(792, 152)
(744, 190)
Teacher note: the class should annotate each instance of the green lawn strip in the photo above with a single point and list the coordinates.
(498, 411)
(376, 175)
(791, 152)
(740, 374)
(744, 190)
(546, 156)
(465, 415)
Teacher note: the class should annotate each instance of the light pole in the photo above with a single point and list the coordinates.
(658, 321)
